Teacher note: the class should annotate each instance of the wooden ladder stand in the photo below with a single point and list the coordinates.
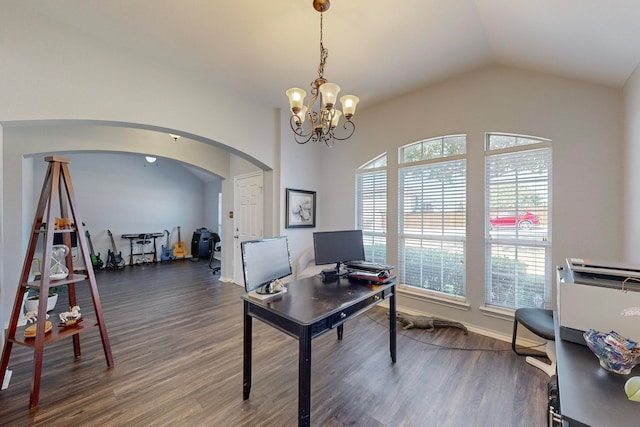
(57, 190)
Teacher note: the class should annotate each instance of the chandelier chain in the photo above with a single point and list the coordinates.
(323, 52)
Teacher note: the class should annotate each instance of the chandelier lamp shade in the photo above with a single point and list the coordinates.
(320, 119)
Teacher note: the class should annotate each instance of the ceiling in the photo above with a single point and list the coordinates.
(376, 50)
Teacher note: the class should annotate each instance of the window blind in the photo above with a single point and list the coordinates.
(371, 213)
(432, 246)
(518, 212)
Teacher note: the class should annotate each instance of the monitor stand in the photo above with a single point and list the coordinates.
(274, 287)
(331, 274)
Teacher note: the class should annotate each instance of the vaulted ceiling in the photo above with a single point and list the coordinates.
(377, 50)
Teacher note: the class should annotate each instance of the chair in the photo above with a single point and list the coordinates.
(540, 322)
(144, 244)
(215, 247)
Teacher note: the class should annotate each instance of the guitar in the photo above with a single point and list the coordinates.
(114, 258)
(96, 262)
(167, 253)
(179, 250)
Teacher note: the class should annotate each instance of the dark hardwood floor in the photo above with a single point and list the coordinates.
(176, 337)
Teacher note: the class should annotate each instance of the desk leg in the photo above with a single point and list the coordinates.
(392, 324)
(304, 377)
(71, 290)
(246, 379)
(131, 252)
(340, 331)
(155, 250)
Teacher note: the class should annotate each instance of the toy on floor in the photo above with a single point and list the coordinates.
(428, 323)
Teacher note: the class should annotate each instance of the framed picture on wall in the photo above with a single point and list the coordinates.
(300, 208)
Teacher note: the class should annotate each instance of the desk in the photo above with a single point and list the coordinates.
(308, 309)
(589, 394)
(135, 236)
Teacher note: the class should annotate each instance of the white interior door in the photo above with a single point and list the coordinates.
(248, 207)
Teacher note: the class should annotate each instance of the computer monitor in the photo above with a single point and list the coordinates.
(263, 262)
(338, 247)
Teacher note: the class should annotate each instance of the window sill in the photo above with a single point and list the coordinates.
(497, 312)
(416, 294)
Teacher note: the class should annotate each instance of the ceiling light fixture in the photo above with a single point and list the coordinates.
(150, 159)
(175, 137)
(325, 117)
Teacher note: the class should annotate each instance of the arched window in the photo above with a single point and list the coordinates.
(432, 192)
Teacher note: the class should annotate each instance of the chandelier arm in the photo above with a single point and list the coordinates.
(315, 121)
(328, 140)
(315, 90)
(311, 114)
(326, 116)
(301, 142)
(298, 134)
(344, 126)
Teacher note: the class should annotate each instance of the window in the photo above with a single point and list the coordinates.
(518, 221)
(371, 208)
(432, 195)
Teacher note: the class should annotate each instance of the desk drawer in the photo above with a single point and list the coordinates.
(344, 315)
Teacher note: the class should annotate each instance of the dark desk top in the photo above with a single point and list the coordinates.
(591, 395)
(310, 300)
(137, 235)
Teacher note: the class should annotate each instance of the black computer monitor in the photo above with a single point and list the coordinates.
(338, 247)
(263, 262)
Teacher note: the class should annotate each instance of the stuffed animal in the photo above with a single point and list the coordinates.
(428, 323)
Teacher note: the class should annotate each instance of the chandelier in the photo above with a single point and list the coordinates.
(324, 118)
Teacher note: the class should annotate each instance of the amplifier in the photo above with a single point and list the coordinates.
(201, 243)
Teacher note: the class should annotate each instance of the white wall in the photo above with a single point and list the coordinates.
(302, 170)
(211, 191)
(5, 293)
(52, 72)
(632, 171)
(127, 195)
(583, 120)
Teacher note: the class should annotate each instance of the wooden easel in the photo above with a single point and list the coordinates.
(57, 191)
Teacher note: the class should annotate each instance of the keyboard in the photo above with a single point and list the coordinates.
(365, 265)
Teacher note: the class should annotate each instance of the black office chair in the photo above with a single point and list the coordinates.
(540, 322)
(215, 247)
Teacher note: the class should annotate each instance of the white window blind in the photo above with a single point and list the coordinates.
(371, 209)
(518, 214)
(432, 205)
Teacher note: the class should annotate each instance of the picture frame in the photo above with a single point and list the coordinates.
(300, 208)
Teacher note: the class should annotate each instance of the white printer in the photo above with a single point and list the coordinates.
(604, 296)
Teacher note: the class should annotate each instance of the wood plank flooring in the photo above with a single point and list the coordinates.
(176, 337)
